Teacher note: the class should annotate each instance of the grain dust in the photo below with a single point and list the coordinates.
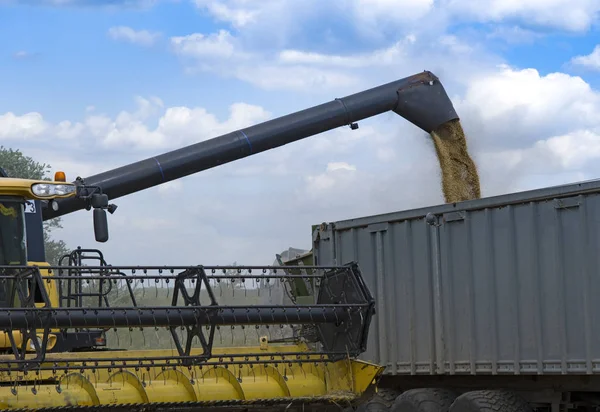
(460, 180)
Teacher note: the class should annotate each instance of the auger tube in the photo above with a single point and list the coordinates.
(420, 99)
(39, 318)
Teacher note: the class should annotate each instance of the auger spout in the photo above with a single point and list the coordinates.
(420, 99)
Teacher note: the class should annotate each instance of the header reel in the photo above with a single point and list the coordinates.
(187, 326)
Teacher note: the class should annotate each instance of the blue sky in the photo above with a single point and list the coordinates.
(72, 55)
(87, 87)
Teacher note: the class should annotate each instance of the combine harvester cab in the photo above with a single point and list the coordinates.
(65, 325)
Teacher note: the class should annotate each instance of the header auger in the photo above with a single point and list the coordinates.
(62, 326)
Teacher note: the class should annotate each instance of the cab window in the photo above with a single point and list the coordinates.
(12, 233)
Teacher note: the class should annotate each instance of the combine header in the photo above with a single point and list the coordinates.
(60, 323)
(193, 372)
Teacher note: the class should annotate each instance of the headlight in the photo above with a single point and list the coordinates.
(51, 189)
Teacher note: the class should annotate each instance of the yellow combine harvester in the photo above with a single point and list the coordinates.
(55, 320)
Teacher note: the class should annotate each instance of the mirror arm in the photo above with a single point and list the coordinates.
(98, 201)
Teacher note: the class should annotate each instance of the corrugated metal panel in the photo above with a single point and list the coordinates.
(494, 287)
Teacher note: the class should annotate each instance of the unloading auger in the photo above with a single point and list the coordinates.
(421, 99)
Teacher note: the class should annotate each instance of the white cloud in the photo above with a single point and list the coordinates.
(590, 61)
(295, 78)
(236, 12)
(176, 126)
(188, 124)
(220, 53)
(333, 166)
(555, 160)
(538, 95)
(337, 173)
(529, 130)
(244, 13)
(454, 44)
(572, 15)
(181, 125)
(574, 149)
(514, 34)
(517, 107)
(32, 125)
(313, 72)
(385, 56)
(401, 10)
(200, 46)
(139, 37)
(26, 126)
(68, 130)
(372, 17)
(277, 22)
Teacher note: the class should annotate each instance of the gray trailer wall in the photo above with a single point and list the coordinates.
(508, 284)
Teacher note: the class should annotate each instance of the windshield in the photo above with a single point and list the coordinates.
(12, 242)
(13, 246)
(12, 233)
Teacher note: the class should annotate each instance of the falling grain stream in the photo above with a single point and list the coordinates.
(460, 180)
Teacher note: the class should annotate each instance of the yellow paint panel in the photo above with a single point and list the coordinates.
(365, 374)
(22, 188)
(342, 381)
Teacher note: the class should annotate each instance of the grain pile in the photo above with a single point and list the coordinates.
(460, 180)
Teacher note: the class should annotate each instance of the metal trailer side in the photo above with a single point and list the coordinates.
(505, 285)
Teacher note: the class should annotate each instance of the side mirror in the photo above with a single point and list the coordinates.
(100, 225)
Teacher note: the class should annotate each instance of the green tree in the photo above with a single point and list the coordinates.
(16, 164)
